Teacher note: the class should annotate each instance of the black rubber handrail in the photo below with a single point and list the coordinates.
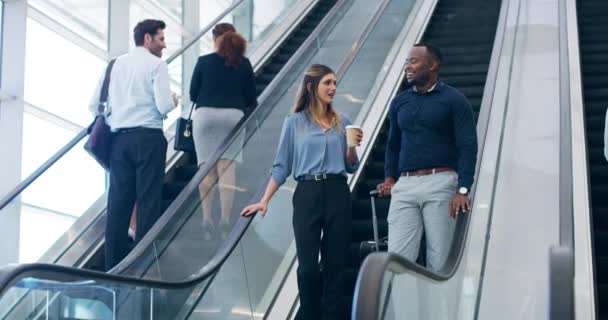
(10, 275)
(235, 133)
(369, 286)
(84, 132)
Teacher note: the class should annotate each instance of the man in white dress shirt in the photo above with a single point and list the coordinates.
(139, 98)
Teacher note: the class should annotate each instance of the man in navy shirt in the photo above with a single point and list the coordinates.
(430, 160)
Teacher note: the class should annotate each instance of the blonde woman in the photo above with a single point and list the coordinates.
(313, 147)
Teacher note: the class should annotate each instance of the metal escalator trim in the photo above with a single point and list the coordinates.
(585, 275)
(339, 74)
(374, 111)
(85, 233)
(67, 147)
(342, 69)
(269, 93)
(92, 221)
(373, 271)
(561, 263)
(10, 275)
(263, 51)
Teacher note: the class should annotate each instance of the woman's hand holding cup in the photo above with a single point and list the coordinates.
(354, 135)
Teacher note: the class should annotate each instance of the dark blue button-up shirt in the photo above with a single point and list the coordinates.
(430, 130)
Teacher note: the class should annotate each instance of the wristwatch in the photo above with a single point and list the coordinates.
(463, 190)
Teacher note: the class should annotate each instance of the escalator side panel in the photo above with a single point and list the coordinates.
(465, 34)
(593, 46)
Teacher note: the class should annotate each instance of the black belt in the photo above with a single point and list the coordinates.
(125, 130)
(321, 177)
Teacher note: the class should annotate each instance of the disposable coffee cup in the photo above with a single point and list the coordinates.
(351, 135)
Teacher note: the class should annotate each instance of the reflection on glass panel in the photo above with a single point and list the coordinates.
(265, 12)
(41, 139)
(88, 18)
(173, 32)
(39, 226)
(91, 299)
(175, 74)
(228, 296)
(63, 84)
(209, 9)
(81, 180)
(173, 41)
(409, 296)
(66, 191)
(173, 7)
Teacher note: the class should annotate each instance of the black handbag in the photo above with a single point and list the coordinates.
(183, 134)
(99, 143)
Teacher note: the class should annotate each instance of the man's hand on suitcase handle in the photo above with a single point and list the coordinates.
(385, 188)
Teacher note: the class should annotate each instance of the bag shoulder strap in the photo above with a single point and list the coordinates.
(103, 96)
(191, 109)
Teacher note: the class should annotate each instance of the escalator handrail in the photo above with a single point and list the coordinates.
(561, 257)
(368, 292)
(369, 286)
(235, 133)
(11, 274)
(84, 132)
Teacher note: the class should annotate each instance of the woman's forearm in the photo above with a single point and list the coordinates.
(272, 187)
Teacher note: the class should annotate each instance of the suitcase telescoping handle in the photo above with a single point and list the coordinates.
(373, 194)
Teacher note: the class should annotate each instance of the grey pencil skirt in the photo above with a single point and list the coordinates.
(210, 126)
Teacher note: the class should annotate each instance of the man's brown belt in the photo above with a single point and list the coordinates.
(424, 172)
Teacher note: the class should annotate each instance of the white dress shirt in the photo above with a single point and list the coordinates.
(139, 94)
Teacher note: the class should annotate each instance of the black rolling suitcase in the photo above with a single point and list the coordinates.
(376, 244)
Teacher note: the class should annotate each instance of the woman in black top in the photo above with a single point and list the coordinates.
(223, 90)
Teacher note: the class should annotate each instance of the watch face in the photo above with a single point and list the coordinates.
(463, 190)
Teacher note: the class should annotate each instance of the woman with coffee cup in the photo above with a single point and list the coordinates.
(313, 146)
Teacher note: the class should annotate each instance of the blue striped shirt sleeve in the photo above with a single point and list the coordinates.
(282, 166)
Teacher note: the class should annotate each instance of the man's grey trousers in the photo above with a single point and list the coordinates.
(422, 202)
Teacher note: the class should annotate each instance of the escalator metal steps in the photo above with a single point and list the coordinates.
(464, 31)
(593, 44)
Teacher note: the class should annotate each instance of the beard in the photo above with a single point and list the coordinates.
(420, 79)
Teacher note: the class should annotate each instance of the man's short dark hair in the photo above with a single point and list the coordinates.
(148, 26)
(432, 50)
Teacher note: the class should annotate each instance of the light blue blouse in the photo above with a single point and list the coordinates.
(306, 149)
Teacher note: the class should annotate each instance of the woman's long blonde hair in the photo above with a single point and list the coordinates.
(308, 100)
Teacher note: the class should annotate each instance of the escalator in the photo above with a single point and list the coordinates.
(175, 272)
(593, 46)
(183, 172)
(464, 31)
(82, 245)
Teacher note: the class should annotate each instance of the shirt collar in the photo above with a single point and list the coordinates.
(141, 50)
(437, 86)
